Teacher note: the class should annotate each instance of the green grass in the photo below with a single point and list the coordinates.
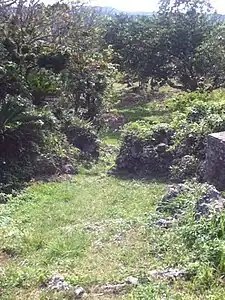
(94, 229)
(57, 227)
(153, 111)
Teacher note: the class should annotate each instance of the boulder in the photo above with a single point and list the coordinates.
(215, 160)
(210, 203)
(69, 169)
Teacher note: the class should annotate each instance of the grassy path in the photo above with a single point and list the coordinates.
(90, 229)
(94, 230)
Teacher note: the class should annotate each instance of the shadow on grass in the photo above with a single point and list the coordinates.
(135, 96)
(141, 113)
(146, 112)
(126, 176)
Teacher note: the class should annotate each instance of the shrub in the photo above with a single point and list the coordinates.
(30, 144)
(18, 152)
(56, 155)
(82, 137)
(205, 239)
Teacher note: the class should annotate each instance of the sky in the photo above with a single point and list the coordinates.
(141, 5)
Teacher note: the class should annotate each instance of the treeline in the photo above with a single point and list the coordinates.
(181, 45)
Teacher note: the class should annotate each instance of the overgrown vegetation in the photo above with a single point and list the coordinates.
(175, 149)
(85, 98)
(62, 63)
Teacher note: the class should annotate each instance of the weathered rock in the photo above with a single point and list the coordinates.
(161, 147)
(168, 273)
(173, 192)
(79, 292)
(58, 283)
(118, 237)
(165, 223)
(3, 199)
(45, 165)
(148, 155)
(215, 160)
(85, 140)
(96, 227)
(114, 121)
(69, 169)
(211, 202)
(132, 280)
(184, 167)
(98, 245)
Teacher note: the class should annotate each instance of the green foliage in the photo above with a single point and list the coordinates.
(206, 240)
(136, 43)
(53, 64)
(181, 45)
(14, 112)
(87, 82)
(83, 138)
(182, 141)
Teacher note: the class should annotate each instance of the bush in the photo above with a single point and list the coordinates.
(18, 152)
(85, 140)
(205, 239)
(56, 155)
(31, 144)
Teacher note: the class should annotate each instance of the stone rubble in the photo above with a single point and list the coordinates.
(210, 203)
(113, 288)
(58, 283)
(168, 273)
(165, 223)
(132, 280)
(79, 292)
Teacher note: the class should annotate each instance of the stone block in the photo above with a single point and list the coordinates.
(215, 160)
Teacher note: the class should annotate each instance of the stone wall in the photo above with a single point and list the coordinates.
(215, 160)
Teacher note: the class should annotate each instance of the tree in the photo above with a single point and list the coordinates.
(210, 59)
(168, 47)
(136, 43)
(185, 25)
